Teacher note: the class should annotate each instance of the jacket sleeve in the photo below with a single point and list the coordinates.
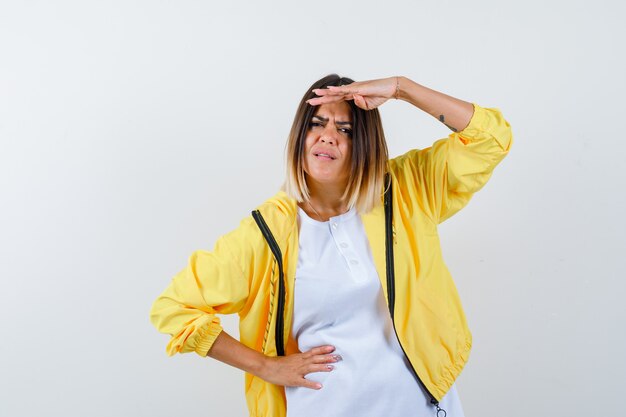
(443, 177)
(211, 283)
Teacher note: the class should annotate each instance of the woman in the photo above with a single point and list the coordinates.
(345, 304)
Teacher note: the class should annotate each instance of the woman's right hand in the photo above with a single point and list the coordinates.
(290, 370)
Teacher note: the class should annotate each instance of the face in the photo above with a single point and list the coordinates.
(328, 144)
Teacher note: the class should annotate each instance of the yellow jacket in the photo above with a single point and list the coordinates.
(241, 274)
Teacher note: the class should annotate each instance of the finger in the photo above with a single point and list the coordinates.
(330, 97)
(320, 368)
(310, 384)
(326, 99)
(351, 89)
(332, 90)
(322, 92)
(360, 101)
(320, 350)
(327, 358)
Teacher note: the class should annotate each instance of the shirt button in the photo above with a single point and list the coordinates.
(334, 225)
(354, 262)
(343, 245)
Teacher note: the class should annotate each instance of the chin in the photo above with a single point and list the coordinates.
(326, 178)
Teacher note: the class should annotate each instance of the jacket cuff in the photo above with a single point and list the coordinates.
(205, 339)
(487, 124)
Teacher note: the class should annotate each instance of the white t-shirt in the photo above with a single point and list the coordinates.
(339, 301)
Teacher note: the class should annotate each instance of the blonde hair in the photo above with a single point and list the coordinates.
(369, 152)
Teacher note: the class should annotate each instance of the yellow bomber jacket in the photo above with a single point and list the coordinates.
(240, 275)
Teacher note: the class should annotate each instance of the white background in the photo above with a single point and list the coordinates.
(132, 133)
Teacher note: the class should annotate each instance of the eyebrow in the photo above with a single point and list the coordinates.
(325, 119)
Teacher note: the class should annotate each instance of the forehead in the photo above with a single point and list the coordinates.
(338, 111)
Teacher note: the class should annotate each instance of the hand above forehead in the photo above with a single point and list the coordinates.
(367, 95)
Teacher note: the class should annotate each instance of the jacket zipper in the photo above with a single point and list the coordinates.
(391, 286)
(279, 329)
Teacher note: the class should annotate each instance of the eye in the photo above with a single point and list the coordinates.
(347, 131)
(314, 124)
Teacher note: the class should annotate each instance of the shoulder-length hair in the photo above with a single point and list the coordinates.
(369, 152)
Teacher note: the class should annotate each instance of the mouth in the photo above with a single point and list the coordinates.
(324, 156)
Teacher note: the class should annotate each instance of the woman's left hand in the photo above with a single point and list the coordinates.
(366, 94)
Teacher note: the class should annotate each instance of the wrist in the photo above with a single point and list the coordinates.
(401, 87)
(261, 366)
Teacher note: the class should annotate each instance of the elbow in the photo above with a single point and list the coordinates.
(505, 139)
(158, 314)
(155, 317)
(502, 131)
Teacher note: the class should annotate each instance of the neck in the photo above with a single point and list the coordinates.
(326, 201)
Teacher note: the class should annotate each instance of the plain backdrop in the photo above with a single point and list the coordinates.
(135, 132)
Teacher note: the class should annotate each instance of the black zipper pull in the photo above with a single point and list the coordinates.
(440, 411)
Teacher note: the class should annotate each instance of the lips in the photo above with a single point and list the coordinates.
(325, 154)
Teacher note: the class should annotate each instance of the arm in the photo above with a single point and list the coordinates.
(282, 370)
(445, 175)
(368, 95)
(234, 353)
(452, 112)
(217, 283)
(212, 283)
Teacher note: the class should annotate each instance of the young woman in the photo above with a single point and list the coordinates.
(345, 304)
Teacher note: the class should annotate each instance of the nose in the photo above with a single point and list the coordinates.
(329, 135)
